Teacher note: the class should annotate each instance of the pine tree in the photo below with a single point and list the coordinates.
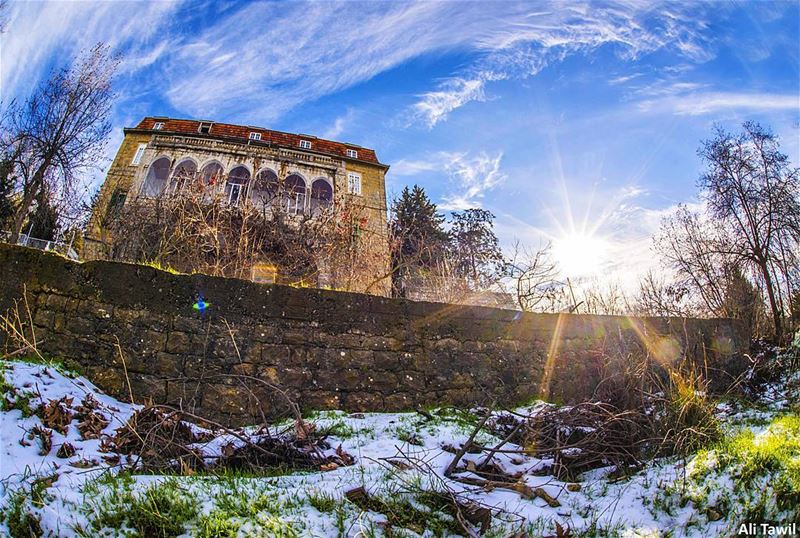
(43, 223)
(475, 246)
(419, 237)
(6, 192)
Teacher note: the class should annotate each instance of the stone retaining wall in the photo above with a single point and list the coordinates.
(326, 349)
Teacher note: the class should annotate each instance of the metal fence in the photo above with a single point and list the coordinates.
(42, 244)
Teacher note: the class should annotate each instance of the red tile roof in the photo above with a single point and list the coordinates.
(278, 138)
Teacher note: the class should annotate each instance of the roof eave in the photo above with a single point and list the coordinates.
(238, 140)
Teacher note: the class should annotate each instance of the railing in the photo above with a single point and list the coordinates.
(214, 145)
(42, 244)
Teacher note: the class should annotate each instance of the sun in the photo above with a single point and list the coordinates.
(580, 255)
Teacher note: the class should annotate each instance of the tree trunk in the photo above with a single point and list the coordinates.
(777, 316)
(19, 216)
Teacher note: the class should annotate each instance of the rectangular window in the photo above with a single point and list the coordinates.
(115, 204)
(352, 153)
(137, 157)
(158, 126)
(255, 136)
(305, 144)
(205, 128)
(354, 183)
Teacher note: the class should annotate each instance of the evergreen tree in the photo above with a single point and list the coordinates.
(43, 223)
(475, 247)
(6, 191)
(419, 237)
(743, 301)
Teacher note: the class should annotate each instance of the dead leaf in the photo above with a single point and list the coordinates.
(66, 450)
(57, 414)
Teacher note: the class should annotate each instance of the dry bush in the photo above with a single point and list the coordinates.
(580, 437)
(637, 415)
(160, 438)
(681, 416)
(16, 330)
(194, 230)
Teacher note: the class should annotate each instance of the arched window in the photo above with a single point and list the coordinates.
(157, 176)
(294, 194)
(236, 184)
(264, 189)
(183, 176)
(210, 175)
(321, 195)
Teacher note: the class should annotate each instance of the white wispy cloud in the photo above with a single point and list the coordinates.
(339, 125)
(521, 47)
(39, 32)
(699, 103)
(452, 94)
(258, 61)
(470, 175)
(264, 59)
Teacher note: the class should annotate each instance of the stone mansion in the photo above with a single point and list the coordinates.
(241, 163)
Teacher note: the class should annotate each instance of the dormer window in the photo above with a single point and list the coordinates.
(352, 153)
(305, 144)
(205, 128)
(255, 136)
(158, 125)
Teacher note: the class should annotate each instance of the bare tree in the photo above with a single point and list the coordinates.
(700, 255)
(534, 276)
(657, 297)
(60, 130)
(752, 191)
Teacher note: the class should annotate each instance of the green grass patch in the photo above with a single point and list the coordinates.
(746, 477)
(20, 512)
(339, 429)
(323, 502)
(11, 397)
(239, 506)
(66, 369)
(161, 510)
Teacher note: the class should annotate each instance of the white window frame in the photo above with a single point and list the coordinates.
(305, 144)
(137, 157)
(354, 183)
(296, 203)
(255, 136)
(202, 124)
(158, 125)
(352, 153)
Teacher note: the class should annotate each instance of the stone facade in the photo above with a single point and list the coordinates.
(327, 349)
(182, 144)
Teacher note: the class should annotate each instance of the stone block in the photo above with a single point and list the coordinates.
(57, 303)
(362, 401)
(79, 326)
(179, 343)
(44, 318)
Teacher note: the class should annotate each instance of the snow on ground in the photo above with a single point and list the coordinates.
(77, 495)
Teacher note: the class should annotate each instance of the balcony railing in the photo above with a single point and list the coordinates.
(42, 244)
(212, 145)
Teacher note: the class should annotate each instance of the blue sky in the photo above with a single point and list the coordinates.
(572, 122)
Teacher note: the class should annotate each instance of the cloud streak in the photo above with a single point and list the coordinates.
(526, 43)
(470, 175)
(700, 103)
